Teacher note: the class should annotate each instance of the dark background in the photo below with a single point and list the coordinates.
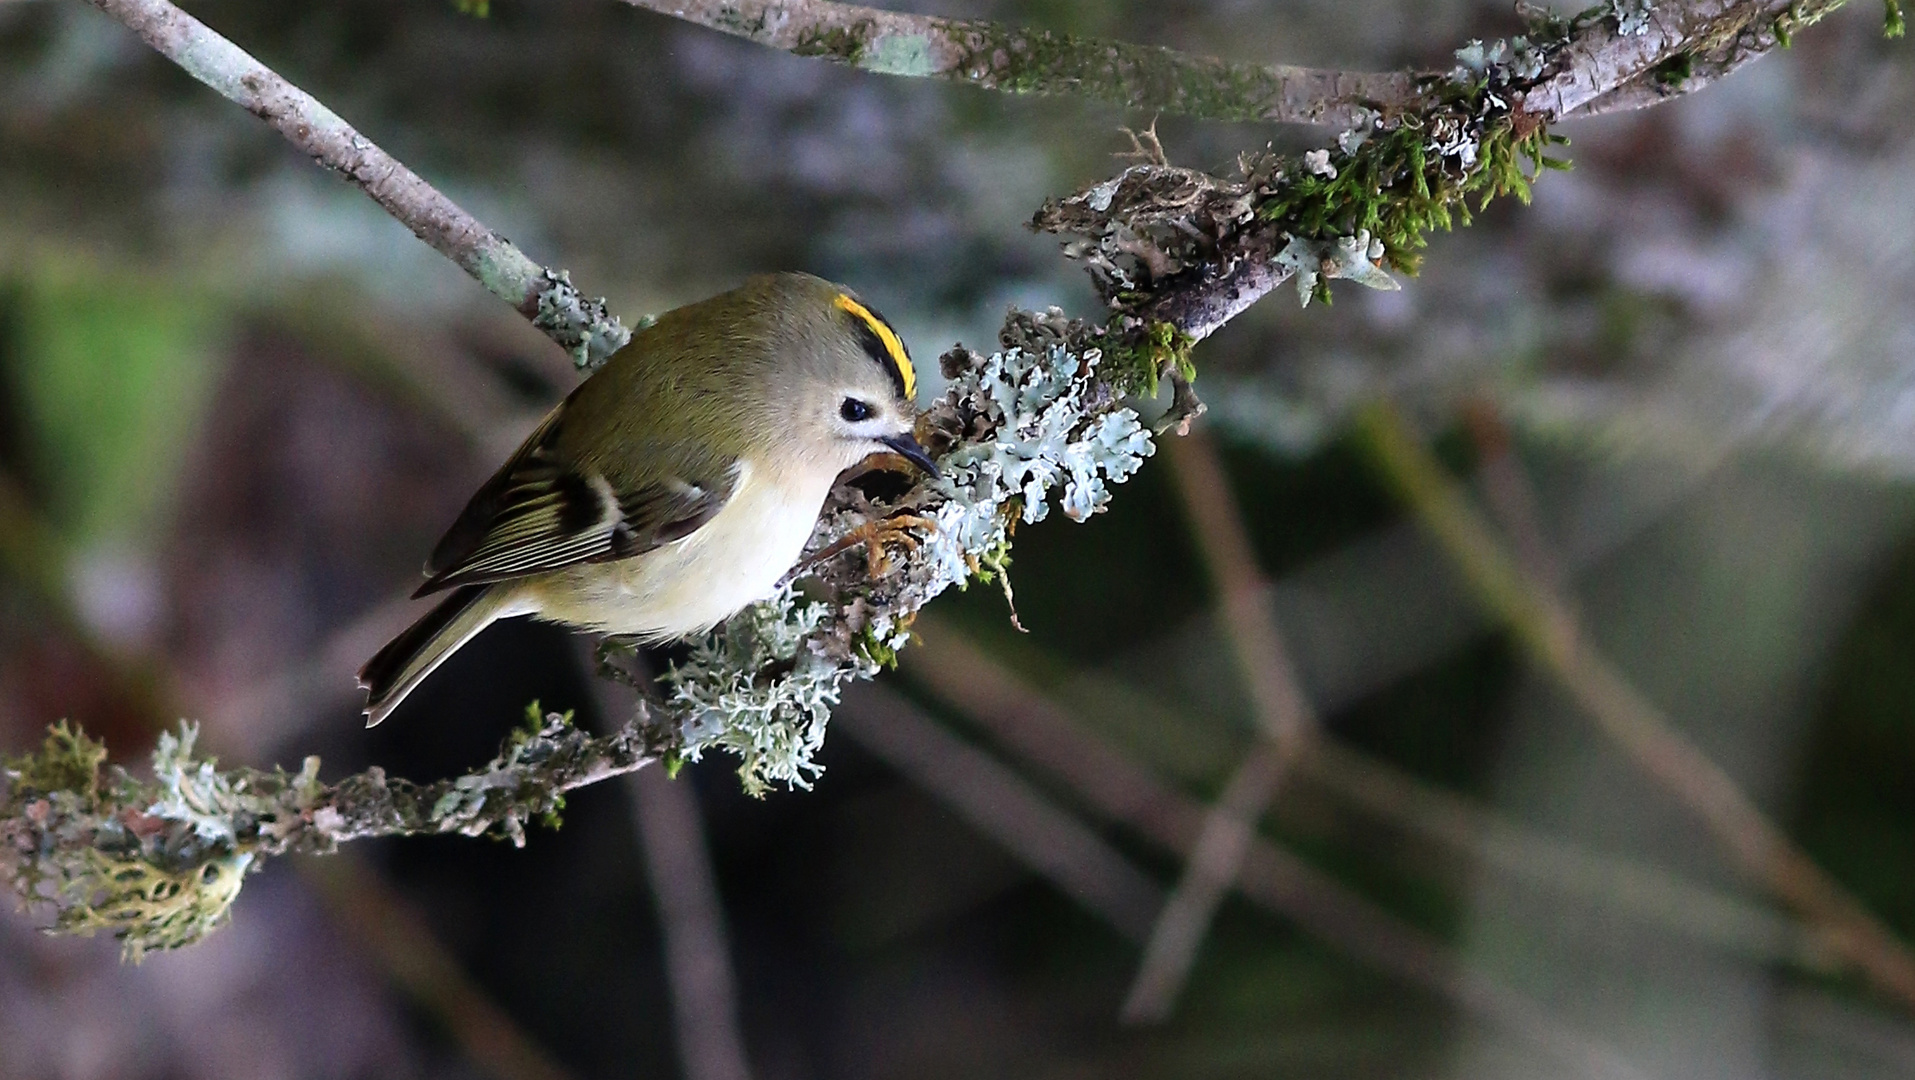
(238, 404)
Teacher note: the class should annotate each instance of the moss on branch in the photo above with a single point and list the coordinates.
(1040, 421)
(1035, 61)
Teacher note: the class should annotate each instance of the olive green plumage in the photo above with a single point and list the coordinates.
(675, 485)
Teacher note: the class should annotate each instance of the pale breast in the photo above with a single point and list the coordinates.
(690, 585)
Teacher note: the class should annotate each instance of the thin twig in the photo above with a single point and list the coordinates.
(1651, 894)
(581, 326)
(1283, 714)
(996, 57)
(1003, 806)
(1654, 895)
(691, 913)
(697, 955)
(1543, 625)
(1038, 731)
(1510, 495)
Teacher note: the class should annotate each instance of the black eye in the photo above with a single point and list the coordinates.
(854, 410)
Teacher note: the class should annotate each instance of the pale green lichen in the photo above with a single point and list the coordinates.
(754, 689)
(899, 54)
(584, 327)
(1354, 258)
(1632, 16)
(158, 865)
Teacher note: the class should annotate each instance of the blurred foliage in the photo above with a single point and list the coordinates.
(116, 371)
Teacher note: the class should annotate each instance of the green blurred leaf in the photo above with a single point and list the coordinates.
(114, 373)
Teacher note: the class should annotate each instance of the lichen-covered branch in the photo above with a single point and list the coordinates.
(1628, 54)
(581, 326)
(1177, 253)
(1018, 60)
(1042, 420)
(159, 862)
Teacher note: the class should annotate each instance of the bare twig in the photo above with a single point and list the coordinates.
(1285, 717)
(691, 913)
(1024, 61)
(1510, 495)
(1543, 625)
(1624, 885)
(1039, 732)
(1004, 807)
(581, 326)
(697, 957)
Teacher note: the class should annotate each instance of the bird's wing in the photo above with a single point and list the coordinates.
(541, 513)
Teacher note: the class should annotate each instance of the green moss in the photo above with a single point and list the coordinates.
(1134, 360)
(1894, 22)
(875, 649)
(1397, 189)
(844, 44)
(1674, 71)
(67, 761)
(478, 9)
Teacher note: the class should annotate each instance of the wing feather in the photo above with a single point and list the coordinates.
(541, 513)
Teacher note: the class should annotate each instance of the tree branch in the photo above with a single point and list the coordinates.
(159, 862)
(1543, 624)
(1175, 253)
(1287, 723)
(1022, 61)
(1649, 52)
(582, 327)
(1176, 248)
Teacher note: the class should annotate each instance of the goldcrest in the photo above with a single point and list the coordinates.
(677, 484)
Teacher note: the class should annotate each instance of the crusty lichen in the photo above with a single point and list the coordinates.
(159, 862)
(158, 865)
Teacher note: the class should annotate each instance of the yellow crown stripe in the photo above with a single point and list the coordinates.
(892, 346)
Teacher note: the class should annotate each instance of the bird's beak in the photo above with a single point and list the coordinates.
(909, 449)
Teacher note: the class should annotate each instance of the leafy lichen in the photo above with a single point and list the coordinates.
(157, 865)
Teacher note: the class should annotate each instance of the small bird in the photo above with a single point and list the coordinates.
(678, 483)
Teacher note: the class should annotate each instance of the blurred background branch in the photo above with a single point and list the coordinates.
(994, 56)
(1548, 632)
(1286, 723)
(1120, 789)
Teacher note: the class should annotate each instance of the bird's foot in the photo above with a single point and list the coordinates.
(877, 536)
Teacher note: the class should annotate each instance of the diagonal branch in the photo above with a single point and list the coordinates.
(1023, 61)
(581, 326)
(1657, 51)
(1035, 728)
(1542, 622)
(1288, 727)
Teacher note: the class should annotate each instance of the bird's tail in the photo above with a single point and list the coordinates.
(404, 663)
